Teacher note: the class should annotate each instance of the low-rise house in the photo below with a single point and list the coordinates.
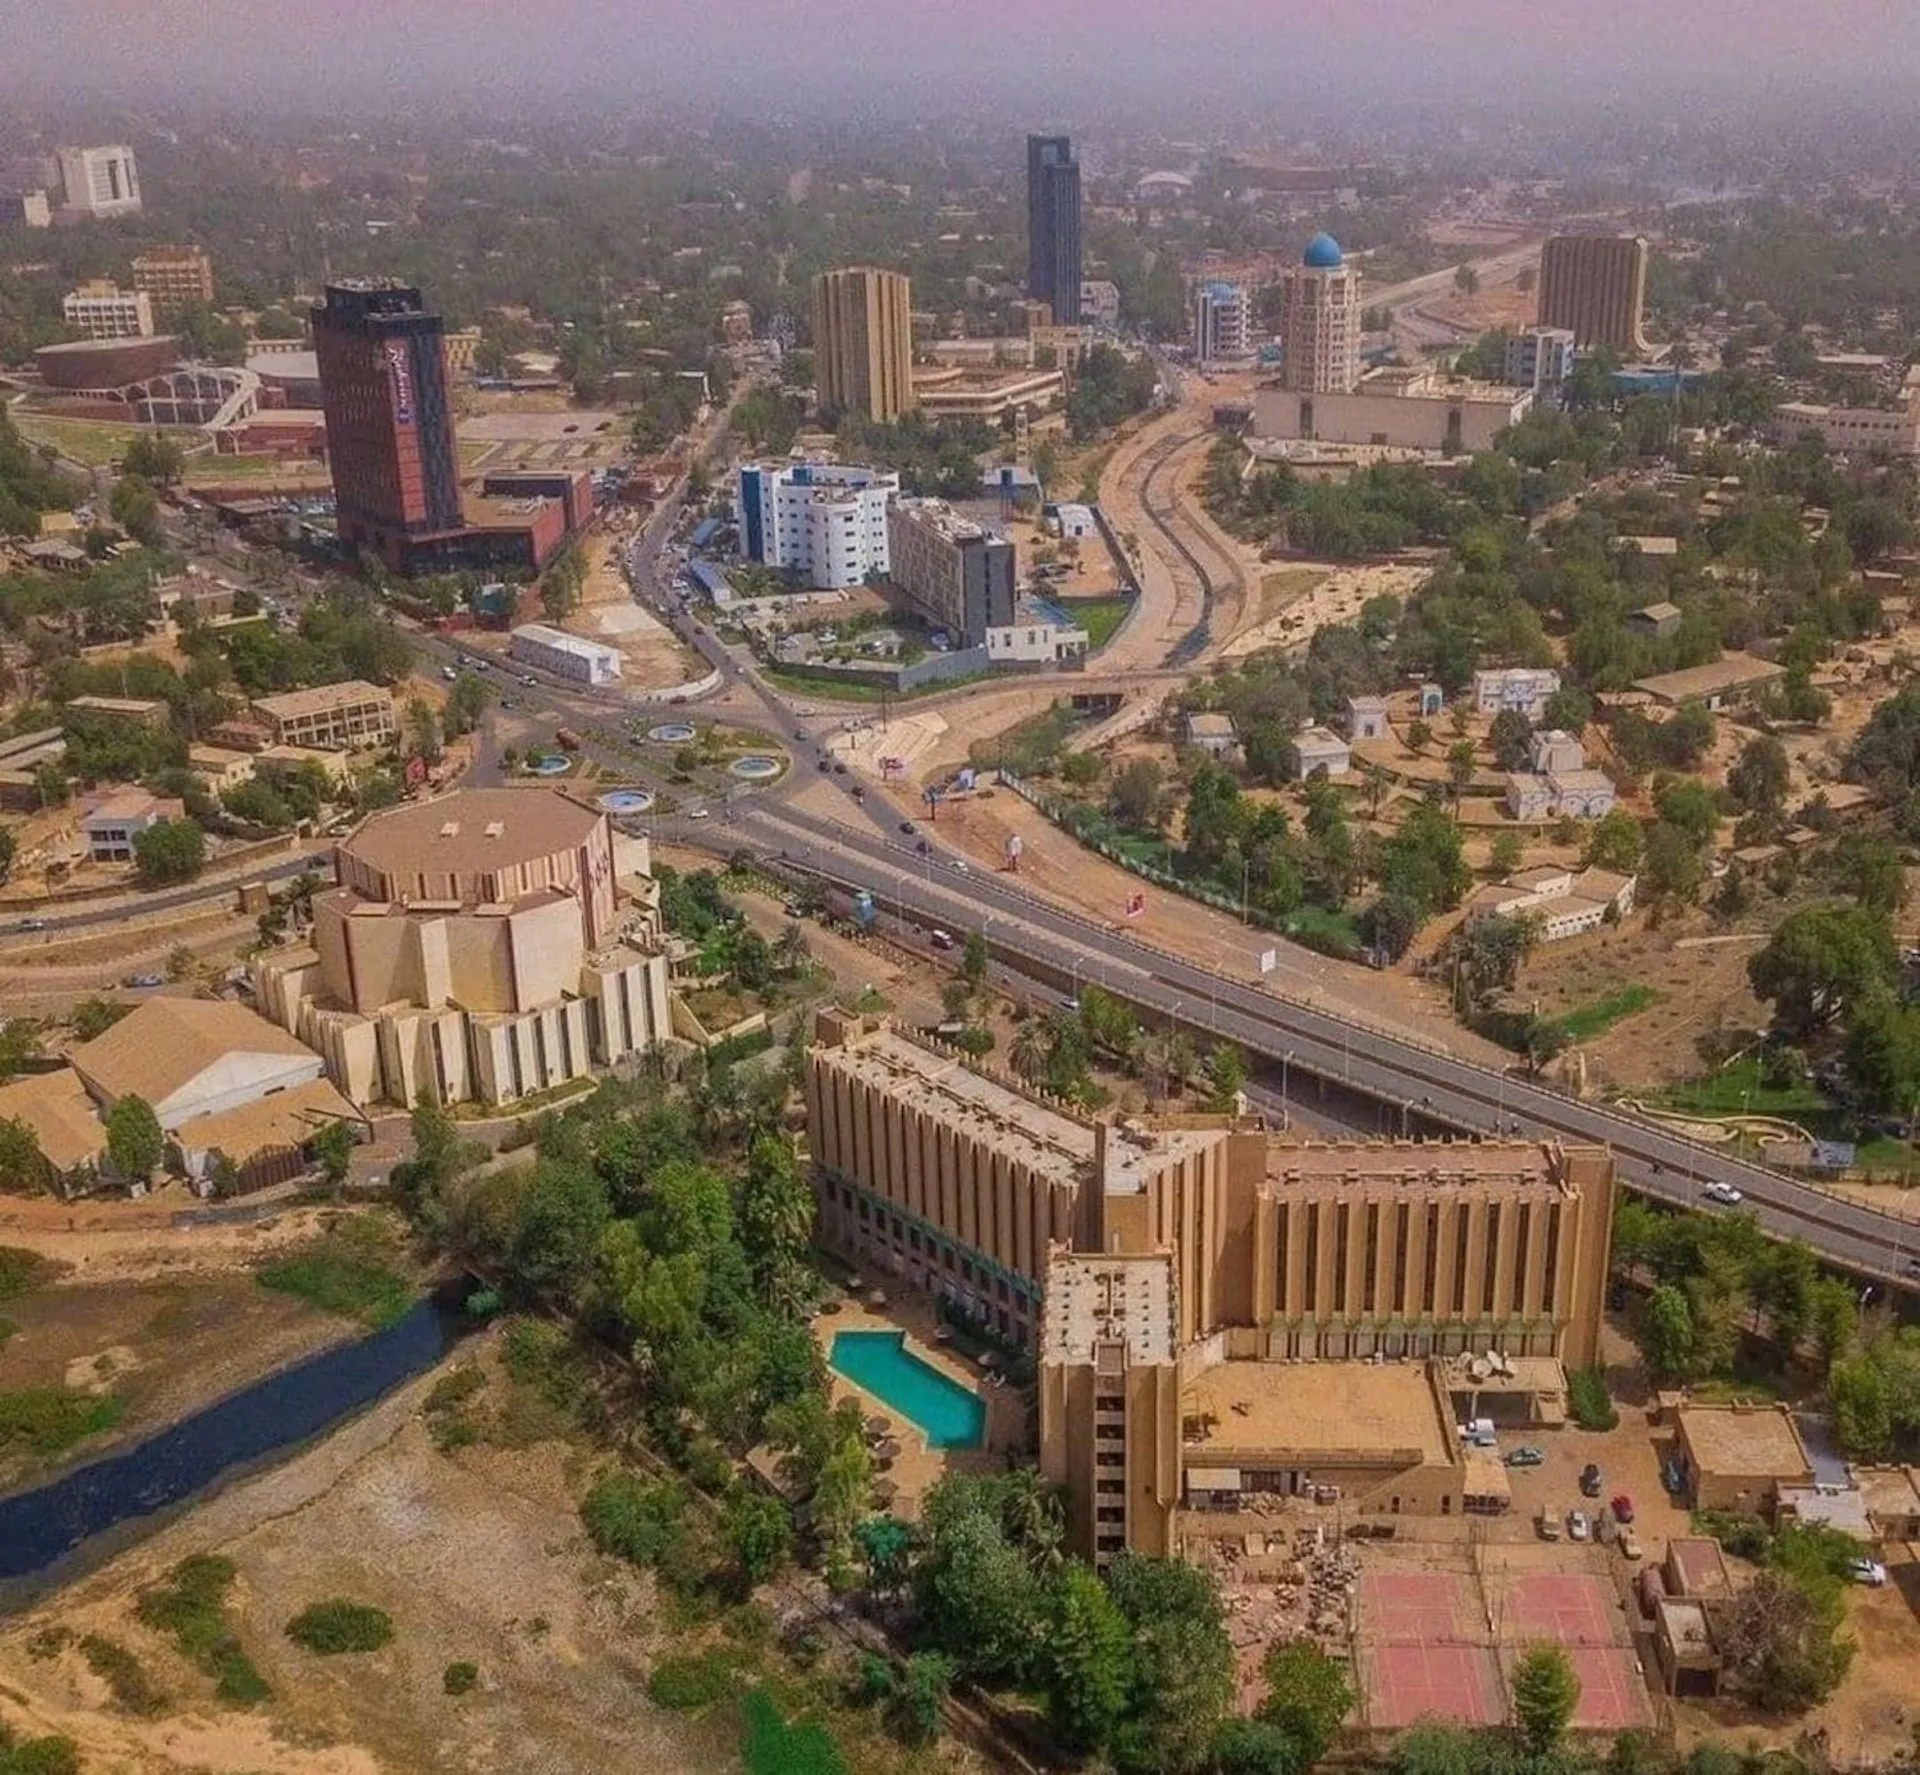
(72, 1141)
(1554, 749)
(119, 816)
(1740, 1457)
(1720, 684)
(1524, 689)
(1214, 735)
(125, 711)
(219, 768)
(1892, 1497)
(1654, 621)
(1366, 717)
(1564, 903)
(1321, 749)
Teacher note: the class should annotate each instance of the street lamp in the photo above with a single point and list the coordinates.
(1286, 1115)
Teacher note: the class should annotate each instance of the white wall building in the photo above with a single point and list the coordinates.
(825, 521)
(99, 181)
(564, 655)
(1034, 640)
(1562, 903)
(1850, 430)
(1222, 322)
(105, 311)
(1525, 688)
(1541, 358)
(1100, 304)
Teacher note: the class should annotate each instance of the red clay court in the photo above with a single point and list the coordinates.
(1569, 1608)
(1613, 1694)
(1419, 1609)
(1404, 1683)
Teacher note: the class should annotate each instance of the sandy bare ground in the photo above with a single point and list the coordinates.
(136, 1242)
(650, 655)
(1337, 597)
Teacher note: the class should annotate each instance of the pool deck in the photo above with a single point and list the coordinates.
(919, 1466)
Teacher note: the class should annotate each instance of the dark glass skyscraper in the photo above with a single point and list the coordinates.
(383, 384)
(1053, 227)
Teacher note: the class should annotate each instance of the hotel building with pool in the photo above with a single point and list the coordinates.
(1218, 1311)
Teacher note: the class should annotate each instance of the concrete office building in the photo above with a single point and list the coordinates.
(863, 342)
(566, 656)
(1396, 408)
(98, 182)
(479, 947)
(1849, 430)
(1100, 304)
(1540, 359)
(330, 717)
(383, 387)
(956, 573)
(1595, 287)
(1320, 312)
(102, 310)
(825, 521)
(1176, 1276)
(1053, 227)
(1222, 322)
(174, 278)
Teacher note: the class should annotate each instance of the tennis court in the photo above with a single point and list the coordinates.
(1404, 1683)
(1569, 1608)
(1419, 1609)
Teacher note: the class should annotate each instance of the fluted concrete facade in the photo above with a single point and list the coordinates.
(863, 342)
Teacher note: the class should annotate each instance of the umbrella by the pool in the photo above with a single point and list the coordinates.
(885, 1490)
(889, 1450)
(877, 1426)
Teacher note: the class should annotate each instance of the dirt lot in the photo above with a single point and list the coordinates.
(164, 1348)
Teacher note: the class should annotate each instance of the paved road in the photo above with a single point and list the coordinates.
(196, 894)
(1430, 1085)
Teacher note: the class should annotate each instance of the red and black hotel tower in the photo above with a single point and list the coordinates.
(383, 384)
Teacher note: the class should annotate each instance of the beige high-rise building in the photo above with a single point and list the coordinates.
(1320, 321)
(175, 278)
(863, 342)
(1216, 1309)
(102, 310)
(1595, 286)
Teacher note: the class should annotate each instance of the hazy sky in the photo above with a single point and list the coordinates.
(901, 53)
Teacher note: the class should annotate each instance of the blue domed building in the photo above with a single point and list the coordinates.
(1323, 254)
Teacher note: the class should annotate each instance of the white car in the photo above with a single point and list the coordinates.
(1869, 1572)
(699, 813)
(1578, 1528)
(1725, 1194)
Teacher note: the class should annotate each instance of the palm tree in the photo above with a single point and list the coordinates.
(1030, 1050)
(1181, 1059)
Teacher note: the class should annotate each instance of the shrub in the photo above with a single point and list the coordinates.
(22, 1271)
(39, 1756)
(124, 1676)
(691, 1684)
(640, 1520)
(335, 1626)
(771, 1746)
(454, 1388)
(340, 1274)
(191, 1606)
(460, 1679)
(49, 1420)
(1587, 1399)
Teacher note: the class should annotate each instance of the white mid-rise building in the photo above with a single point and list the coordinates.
(825, 521)
(565, 656)
(1222, 322)
(99, 181)
(1851, 430)
(1541, 358)
(105, 311)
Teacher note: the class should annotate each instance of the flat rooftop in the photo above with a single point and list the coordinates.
(1730, 673)
(1319, 1411)
(1737, 1441)
(1413, 1164)
(937, 515)
(349, 693)
(1031, 1133)
(1093, 1300)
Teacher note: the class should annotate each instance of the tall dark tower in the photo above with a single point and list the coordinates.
(383, 384)
(1053, 227)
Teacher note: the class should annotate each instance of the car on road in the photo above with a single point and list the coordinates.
(960, 865)
(826, 764)
(858, 791)
(839, 770)
(699, 813)
(140, 982)
(1723, 1193)
(1578, 1528)
(923, 847)
(906, 826)
(31, 924)
(1527, 1456)
(1590, 1480)
(1622, 1508)
(528, 679)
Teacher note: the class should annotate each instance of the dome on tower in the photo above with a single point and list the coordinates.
(1323, 254)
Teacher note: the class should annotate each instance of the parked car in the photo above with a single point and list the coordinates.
(1622, 1508)
(140, 982)
(448, 673)
(1578, 1527)
(1629, 1547)
(1548, 1525)
(1723, 1193)
(1526, 1456)
(1590, 1480)
(1867, 1571)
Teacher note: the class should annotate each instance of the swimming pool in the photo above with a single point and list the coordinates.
(879, 1362)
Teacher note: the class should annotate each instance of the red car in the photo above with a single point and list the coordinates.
(1622, 1509)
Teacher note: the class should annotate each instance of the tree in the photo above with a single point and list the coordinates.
(423, 729)
(1780, 1638)
(1882, 1056)
(1183, 1677)
(1614, 842)
(1138, 796)
(1253, 1747)
(23, 1167)
(758, 1534)
(974, 960)
(1088, 1660)
(1821, 961)
(1308, 1695)
(1545, 1693)
(1460, 766)
(1505, 853)
(169, 851)
(1761, 775)
(7, 851)
(332, 1149)
(1508, 739)
(1666, 1334)
(1029, 1052)
(913, 1711)
(775, 1221)
(466, 703)
(154, 457)
(1672, 870)
(563, 582)
(136, 509)
(135, 1144)
(1226, 1070)
(1690, 805)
